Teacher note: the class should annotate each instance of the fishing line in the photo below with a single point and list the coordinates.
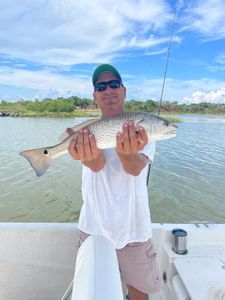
(164, 78)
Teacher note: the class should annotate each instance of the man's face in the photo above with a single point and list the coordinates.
(110, 101)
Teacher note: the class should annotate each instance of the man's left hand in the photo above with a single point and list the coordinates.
(131, 140)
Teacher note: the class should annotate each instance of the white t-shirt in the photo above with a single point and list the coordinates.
(115, 204)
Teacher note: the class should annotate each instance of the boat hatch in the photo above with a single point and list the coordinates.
(203, 277)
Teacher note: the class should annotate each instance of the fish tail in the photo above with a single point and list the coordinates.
(40, 159)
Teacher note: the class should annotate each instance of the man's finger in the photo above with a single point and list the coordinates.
(72, 149)
(119, 142)
(126, 139)
(72, 145)
(80, 145)
(93, 145)
(95, 152)
(133, 137)
(87, 147)
(143, 135)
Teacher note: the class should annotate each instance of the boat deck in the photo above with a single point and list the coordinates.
(38, 260)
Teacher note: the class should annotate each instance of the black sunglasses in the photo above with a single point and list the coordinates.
(113, 84)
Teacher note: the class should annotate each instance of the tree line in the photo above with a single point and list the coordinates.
(74, 103)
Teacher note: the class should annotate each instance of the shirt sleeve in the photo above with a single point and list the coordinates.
(149, 151)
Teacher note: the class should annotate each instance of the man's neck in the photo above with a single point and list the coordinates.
(108, 114)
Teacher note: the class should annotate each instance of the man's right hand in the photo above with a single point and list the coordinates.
(84, 148)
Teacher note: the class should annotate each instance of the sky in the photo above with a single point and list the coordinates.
(50, 48)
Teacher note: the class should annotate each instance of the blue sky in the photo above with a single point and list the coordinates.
(50, 48)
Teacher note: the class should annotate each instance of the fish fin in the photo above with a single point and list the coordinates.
(77, 127)
(39, 159)
(138, 123)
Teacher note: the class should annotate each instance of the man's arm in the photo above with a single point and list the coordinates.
(129, 143)
(84, 148)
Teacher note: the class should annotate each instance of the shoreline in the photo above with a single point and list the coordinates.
(171, 116)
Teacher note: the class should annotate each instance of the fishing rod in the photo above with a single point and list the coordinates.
(167, 62)
(164, 78)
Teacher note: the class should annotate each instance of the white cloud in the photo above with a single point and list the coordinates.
(157, 52)
(216, 68)
(72, 32)
(220, 59)
(48, 83)
(151, 41)
(205, 17)
(220, 64)
(29, 79)
(53, 93)
(211, 97)
(182, 91)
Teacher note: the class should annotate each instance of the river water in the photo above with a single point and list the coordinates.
(187, 179)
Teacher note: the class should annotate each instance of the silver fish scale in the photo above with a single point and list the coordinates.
(105, 130)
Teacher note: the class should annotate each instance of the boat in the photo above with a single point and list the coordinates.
(38, 262)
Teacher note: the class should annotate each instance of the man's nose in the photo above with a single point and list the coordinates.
(108, 89)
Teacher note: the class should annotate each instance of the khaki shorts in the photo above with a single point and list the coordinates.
(138, 267)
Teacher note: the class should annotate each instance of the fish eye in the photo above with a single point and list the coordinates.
(45, 151)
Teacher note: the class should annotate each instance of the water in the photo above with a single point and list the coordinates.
(187, 179)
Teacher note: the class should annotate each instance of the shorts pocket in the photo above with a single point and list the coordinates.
(150, 252)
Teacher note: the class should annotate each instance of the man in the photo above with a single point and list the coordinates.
(115, 196)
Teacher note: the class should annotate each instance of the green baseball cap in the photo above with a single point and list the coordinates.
(104, 68)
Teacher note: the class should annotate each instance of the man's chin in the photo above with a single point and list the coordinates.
(110, 103)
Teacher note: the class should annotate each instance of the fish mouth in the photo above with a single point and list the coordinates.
(171, 132)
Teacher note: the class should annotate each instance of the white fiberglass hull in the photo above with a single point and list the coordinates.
(37, 261)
